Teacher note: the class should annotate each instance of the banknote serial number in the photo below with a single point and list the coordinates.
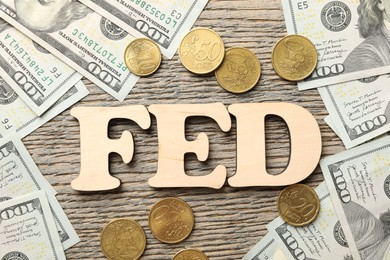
(171, 18)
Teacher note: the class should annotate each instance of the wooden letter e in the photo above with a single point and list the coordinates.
(172, 145)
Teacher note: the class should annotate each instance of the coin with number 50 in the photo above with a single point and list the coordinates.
(201, 51)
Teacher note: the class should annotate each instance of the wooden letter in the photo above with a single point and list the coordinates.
(173, 145)
(95, 145)
(305, 146)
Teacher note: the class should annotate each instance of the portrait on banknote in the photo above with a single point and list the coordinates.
(7, 94)
(49, 16)
(374, 27)
(371, 234)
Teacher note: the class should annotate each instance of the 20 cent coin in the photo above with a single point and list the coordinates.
(294, 57)
(201, 51)
(123, 239)
(240, 70)
(171, 220)
(189, 254)
(142, 56)
(298, 205)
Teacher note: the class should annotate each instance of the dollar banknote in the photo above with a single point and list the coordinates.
(322, 239)
(352, 39)
(27, 229)
(360, 110)
(37, 76)
(19, 175)
(359, 184)
(16, 116)
(83, 39)
(265, 249)
(165, 22)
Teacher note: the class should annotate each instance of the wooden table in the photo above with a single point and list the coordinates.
(229, 221)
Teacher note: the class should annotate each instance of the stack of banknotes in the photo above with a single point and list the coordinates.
(353, 43)
(46, 47)
(32, 223)
(354, 219)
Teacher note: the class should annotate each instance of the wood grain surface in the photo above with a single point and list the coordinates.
(229, 221)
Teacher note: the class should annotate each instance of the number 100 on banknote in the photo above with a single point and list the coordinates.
(163, 21)
(352, 38)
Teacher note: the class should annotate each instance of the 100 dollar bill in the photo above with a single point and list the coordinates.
(165, 22)
(322, 239)
(78, 36)
(359, 184)
(360, 110)
(37, 76)
(352, 41)
(27, 230)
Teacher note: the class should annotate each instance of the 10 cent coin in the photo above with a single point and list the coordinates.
(298, 205)
(123, 239)
(240, 70)
(171, 220)
(294, 57)
(201, 51)
(142, 56)
(189, 253)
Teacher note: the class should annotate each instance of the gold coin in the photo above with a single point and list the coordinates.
(201, 51)
(142, 56)
(123, 239)
(294, 57)
(240, 70)
(298, 205)
(190, 254)
(171, 220)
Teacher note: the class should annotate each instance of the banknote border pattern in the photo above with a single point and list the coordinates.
(293, 16)
(272, 241)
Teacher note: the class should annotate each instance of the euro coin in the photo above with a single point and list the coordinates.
(201, 51)
(189, 254)
(240, 70)
(294, 57)
(171, 220)
(298, 205)
(142, 56)
(123, 239)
